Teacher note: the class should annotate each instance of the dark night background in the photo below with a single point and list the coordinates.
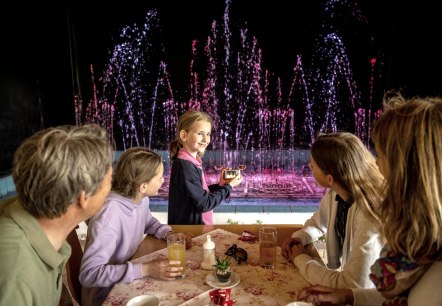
(37, 84)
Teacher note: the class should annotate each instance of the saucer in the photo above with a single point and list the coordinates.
(144, 300)
(213, 281)
(299, 303)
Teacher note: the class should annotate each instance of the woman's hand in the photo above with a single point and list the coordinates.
(162, 269)
(292, 247)
(321, 295)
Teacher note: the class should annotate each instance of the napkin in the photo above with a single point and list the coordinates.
(200, 300)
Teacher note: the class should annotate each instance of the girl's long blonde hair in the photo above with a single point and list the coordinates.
(410, 138)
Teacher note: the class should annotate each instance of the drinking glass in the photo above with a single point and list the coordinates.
(176, 249)
(267, 247)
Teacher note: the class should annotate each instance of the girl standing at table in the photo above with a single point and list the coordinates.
(115, 233)
(341, 163)
(408, 140)
(191, 200)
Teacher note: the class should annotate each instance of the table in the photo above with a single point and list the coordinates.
(151, 244)
(257, 286)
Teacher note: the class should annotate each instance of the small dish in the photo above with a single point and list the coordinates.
(212, 281)
(144, 300)
(299, 303)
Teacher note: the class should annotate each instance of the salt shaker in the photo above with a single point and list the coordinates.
(208, 254)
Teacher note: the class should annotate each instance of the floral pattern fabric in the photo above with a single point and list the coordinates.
(257, 286)
(394, 275)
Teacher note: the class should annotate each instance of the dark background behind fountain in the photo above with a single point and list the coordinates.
(44, 63)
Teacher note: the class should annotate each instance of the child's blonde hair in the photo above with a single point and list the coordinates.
(185, 122)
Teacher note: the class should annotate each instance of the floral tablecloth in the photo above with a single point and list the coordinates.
(257, 286)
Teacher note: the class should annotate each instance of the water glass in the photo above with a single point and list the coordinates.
(176, 249)
(267, 247)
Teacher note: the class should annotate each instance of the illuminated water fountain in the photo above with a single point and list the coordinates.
(255, 123)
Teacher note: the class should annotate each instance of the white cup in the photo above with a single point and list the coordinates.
(144, 300)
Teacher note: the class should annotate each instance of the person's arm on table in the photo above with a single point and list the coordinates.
(365, 248)
(321, 295)
(313, 228)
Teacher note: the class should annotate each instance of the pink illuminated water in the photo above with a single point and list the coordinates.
(256, 123)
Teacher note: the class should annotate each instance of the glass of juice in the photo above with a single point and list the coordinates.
(176, 249)
(267, 247)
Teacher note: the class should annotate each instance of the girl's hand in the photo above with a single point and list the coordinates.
(162, 269)
(235, 181)
(222, 180)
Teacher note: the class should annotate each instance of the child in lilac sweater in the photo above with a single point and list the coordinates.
(115, 232)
